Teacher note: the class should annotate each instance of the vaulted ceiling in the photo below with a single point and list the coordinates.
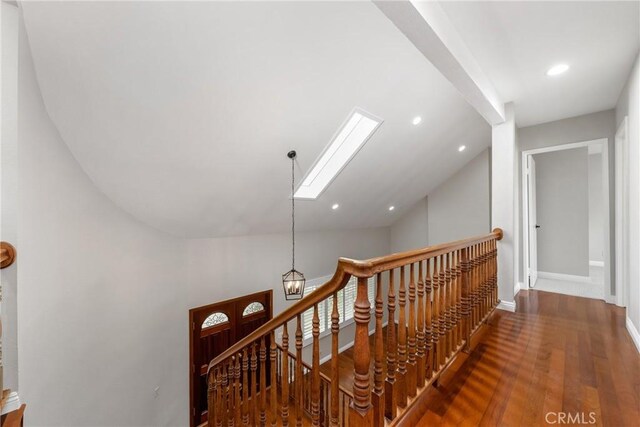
(182, 113)
(515, 43)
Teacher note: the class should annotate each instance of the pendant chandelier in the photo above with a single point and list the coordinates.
(293, 281)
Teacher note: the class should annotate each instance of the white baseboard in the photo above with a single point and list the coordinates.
(596, 263)
(635, 336)
(12, 403)
(517, 288)
(507, 306)
(565, 277)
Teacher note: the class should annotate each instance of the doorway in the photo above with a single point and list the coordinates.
(566, 220)
(213, 329)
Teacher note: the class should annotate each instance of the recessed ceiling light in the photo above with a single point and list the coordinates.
(557, 69)
(416, 120)
(391, 208)
(335, 206)
(462, 148)
(345, 144)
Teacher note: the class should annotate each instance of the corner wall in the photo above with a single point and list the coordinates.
(101, 297)
(629, 105)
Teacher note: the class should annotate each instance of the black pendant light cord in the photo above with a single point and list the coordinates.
(293, 214)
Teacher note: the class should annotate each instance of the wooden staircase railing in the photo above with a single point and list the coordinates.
(439, 296)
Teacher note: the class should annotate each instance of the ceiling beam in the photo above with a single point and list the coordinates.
(428, 27)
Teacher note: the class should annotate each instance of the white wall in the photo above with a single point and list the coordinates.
(562, 202)
(596, 219)
(629, 105)
(575, 129)
(458, 208)
(461, 206)
(411, 231)
(102, 308)
(9, 193)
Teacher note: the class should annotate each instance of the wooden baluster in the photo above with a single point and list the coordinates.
(335, 366)
(390, 402)
(231, 422)
(482, 282)
(315, 372)
(420, 352)
(435, 332)
(411, 336)
(495, 272)
(402, 345)
(254, 399)
(428, 318)
(361, 413)
(459, 330)
(452, 304)
(474, 285)
(299, 379)
(245, 387)
(487, 283)
(448, 304)
(466, 321)
(219, 397)
(263, 383)
(284, 412)
(211, 397)
(442, 327)
(273, 397)
(236, 387)
(225, 395)
(378, 382)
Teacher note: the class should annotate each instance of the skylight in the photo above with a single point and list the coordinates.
(350, 138)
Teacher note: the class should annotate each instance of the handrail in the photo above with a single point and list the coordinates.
(345, 269)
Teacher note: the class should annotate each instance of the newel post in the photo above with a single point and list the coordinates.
(361, 411)
(466, 310)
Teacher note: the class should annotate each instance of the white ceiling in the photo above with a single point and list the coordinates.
(182, 113)
(515, 43)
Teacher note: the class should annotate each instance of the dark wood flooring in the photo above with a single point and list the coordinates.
(556, 354)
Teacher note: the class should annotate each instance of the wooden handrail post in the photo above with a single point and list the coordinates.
(361, 411)
(378, 382)
(335, 366)
(390, 382)
(411, 336)
(465, 300)
(315, 373)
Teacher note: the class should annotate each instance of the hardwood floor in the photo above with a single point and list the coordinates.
(557, 355)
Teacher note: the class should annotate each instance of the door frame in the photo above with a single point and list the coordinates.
(622, 213)
(213, 306)
(602, 143)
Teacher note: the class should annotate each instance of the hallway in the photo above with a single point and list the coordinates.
(557, 353)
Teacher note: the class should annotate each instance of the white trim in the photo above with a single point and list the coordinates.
(593, 263)
(621, 196)
(565, 277)
(604, 142)
(507, 306)
(517, 288)
(12, 403)
(633, 332)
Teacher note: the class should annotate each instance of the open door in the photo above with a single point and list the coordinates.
(533, 222)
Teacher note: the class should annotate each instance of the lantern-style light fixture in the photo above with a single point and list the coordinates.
(293, 281)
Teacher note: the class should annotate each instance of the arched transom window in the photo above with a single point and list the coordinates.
(254, 307)
(215, 319)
